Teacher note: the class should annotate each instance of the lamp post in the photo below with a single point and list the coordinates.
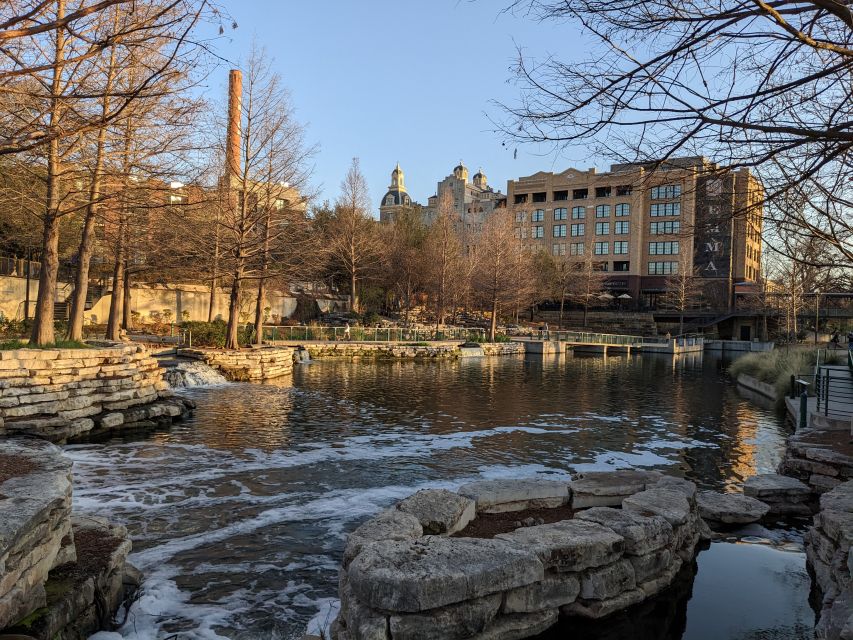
(816, 314)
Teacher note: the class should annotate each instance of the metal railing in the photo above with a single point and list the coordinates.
(371, 334)
(586, 337)
(834, 390)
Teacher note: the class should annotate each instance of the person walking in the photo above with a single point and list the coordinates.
(347, 335)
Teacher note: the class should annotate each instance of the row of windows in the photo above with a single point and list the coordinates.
(577, 194)
(661, 228)
(665, 191)
(578, 213)
(665, 209)
(663, 248)
(663, 268)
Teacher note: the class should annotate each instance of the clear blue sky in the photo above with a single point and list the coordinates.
(408, 81)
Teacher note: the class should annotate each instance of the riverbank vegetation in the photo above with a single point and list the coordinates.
(776, 367)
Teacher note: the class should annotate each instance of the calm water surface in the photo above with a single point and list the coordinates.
(239, 515)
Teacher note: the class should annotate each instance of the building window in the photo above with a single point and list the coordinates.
(560, 213)
(665, 209)
(520, 198)
(621, 228)
(663, 248)
(602, 211)
(576, 249)
(561, 195)
(665, 191)
(580, 194)
(541, 196)
(578, 213)
(538, 232)
(620, 248)
(538, 215)
(524, 233)
(622, 265)
(663, 268)
(559, 231)
(602, 228)
(623, 209)
(520, 216)
(602, 192)
(661, 228)
(599, 266)
(558, 249)
(624, 190)
(577, 229)
(601, 248)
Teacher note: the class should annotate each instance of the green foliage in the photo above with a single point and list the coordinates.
(212, 334)
(483, 338)
(11, 345)
(370, 318)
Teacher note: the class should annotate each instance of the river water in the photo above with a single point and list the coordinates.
(239, 515)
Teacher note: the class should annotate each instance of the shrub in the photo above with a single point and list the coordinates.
(776, 367)
(212, 334)
(370, 318)
(10, 345)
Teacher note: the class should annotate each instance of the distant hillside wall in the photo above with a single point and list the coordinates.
(148, 298)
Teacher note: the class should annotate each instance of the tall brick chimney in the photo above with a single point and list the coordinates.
(233, 142)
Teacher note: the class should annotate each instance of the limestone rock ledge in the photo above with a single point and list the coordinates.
(62, 577)
(62, 394)
(631, 533)
(829, 560)
(246, 365)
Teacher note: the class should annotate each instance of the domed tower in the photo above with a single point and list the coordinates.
(480, 180)
(460, 171)
(397, 194)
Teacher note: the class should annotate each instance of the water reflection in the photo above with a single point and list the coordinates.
(239, 515)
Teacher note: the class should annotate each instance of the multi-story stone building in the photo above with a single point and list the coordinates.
(642, 223)
(472, 202)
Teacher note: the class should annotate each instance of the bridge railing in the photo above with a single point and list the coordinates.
(588, 337)
(372, 334)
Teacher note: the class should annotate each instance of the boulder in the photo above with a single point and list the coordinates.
(775, 487)
(608, 581)
(518, 626)
(453, 622)
(552, 592)
(439, 511)
(730, 508)
(499, 496)
(432, 572)
(602, 608)
(839, 499)
(569, 545)
(642, 534)
(609, 488)
(671, 504)
(388, 525)
(651, 565)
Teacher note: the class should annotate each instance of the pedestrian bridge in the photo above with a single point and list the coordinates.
(589, 342)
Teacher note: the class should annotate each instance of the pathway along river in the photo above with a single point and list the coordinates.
(239, 515)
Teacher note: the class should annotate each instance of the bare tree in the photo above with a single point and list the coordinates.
(683, 288)
(752, 83)
(502, 273)
(352, 242)
(443, 253)
(587, 279)
(404, 263)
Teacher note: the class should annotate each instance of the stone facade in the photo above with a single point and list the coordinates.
(246, 365)
(61, 577)
(830, 562)
(60, 394)
(397, 581)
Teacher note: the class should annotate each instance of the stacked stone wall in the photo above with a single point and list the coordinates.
(58, 394)
(405, 575)
(61, 577)
(823, 459)
(402, 350)
(830, 562)
(247, 365)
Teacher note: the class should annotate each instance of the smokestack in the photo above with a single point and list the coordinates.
(233, 142)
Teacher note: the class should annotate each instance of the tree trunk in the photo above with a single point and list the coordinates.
(259, 312)
(126, 318)
(562, 306)
(353, 296)
(681, 324)
(493, 325)
(117, 297)
(214, 276)
(231, 337)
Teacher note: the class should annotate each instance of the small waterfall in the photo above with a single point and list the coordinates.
(301, 356)
(192, 374)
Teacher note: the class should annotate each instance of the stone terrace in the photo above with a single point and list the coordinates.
(412, 573)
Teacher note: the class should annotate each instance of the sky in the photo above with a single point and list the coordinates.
(408, 81)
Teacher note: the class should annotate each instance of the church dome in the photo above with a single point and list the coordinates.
(480, 179)
(396, 194)
(460, 171)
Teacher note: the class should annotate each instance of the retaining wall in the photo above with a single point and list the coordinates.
(57, 394)
(829, 560)
(413, 573)
(402, 350)
(246, 365)
(61, 577)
